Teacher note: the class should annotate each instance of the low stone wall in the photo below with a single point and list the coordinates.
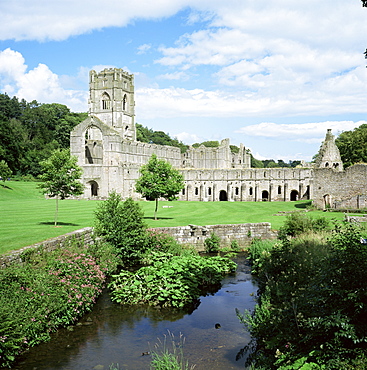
(190, 235)
(243, 233)
(84, 235)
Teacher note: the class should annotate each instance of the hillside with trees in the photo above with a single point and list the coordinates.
(30, 131)
(352, 146)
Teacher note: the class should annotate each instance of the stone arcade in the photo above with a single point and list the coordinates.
(107, 150)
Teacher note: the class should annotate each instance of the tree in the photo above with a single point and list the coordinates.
(121, 224)
(159, 180)
(352, 145)
(5, 171)
(60, 177)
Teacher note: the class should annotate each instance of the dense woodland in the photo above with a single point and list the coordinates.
(30, 131)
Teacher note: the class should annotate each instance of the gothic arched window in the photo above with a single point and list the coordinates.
(106, 101)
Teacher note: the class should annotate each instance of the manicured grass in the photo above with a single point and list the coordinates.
(27, 217)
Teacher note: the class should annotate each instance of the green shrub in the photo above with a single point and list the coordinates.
(311, 312)
(299, 223)
(212, 243)
(235, 247)
(52, 289)
(121, 224)
(171, 281)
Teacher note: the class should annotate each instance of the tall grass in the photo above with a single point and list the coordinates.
(27, 217)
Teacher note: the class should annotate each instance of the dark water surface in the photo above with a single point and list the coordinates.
(112, 333)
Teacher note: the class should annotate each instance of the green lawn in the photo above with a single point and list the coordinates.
(27, 217)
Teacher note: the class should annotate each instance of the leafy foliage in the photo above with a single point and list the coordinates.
(29, 132)
(52, 289)
(170, 281)
(313, 303)
(60, 176)
(159, 180)
(298, 223)
(157, 137)
(212, 243)
(352, 145)
(5, 171)
(121, 224)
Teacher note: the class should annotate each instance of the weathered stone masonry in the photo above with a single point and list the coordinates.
(106, 147)
(188, 235)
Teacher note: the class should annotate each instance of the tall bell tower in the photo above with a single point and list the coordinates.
(111, 100)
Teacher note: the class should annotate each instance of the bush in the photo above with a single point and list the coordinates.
(299, 223)
(171, 281)
(312, 306)
(121, 224)
(52, 289)
(235, 247)
(212, 243)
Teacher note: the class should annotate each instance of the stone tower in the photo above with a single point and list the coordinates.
(329, 155)
(112, 100)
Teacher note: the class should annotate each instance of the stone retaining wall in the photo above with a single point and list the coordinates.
(243, 233)
(191, 235)
(85, 235)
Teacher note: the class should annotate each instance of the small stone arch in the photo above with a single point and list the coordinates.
(327, 201)
(265, 196)
(94, 188)
(223, 197)
(294, 195)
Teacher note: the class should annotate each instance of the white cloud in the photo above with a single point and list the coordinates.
(311, 132)
(39, 84)
(142, 49)
(58, 20)
(179, 75)
(188, 138)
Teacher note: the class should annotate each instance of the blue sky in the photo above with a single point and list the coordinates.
(273, 75)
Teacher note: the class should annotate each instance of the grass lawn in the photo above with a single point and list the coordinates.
(27, 217)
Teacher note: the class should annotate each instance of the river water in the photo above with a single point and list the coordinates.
(112, 333)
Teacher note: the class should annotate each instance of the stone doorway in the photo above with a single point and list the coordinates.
(265, 196)
(223, 196)
(294, 195)
(93, 189)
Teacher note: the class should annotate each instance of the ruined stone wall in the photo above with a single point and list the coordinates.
(84, 236)
(341, 189)
(193, 235)
(269, 184)
(196, 235)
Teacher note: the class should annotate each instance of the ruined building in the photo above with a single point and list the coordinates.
(106, 147)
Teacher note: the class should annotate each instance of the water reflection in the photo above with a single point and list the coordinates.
(117, 334)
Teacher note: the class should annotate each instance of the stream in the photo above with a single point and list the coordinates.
(113, 333)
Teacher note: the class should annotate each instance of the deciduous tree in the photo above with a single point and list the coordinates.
(5, 171)
(159, 180)
(60, 177)
(121, 224)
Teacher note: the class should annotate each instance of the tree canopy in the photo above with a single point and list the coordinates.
(60, 176)
(352, 145)
(30, 131)
(146, 135)
(158, 179)
(121, 224)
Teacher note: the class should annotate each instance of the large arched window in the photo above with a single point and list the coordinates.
(93, 146)
(106, 101)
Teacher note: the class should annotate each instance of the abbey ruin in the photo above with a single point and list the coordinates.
(110, 156)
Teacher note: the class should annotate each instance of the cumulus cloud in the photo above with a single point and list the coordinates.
(58, 20)
(311, 132)
(188, 138)
(39, 84)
